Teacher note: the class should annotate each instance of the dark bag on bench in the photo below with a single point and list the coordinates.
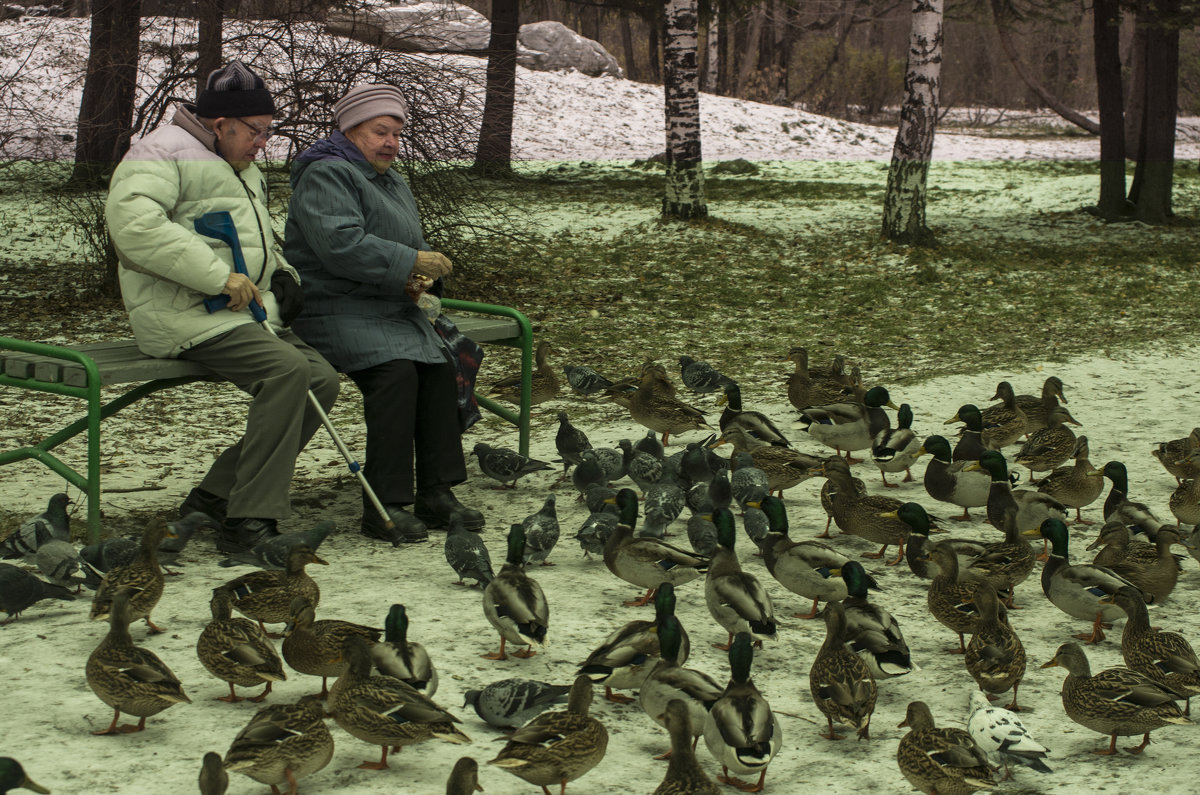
(466, 356)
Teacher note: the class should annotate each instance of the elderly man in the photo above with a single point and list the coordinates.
(203, 161)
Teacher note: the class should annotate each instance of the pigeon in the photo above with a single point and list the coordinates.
(111, 553)
(699, 464)
(511, 703)
(464, 777)
(611, 460)
(702, 533)
(754, 520)
(570, 442)
(588, 474)
(405, 660)
(664, 503)
(599, 499)
(19, 590)
(467, 554)
(37, 530)
(59, 561)
(1002, 736)
(650, 444)
(746, 478)
(697, 499)
(183, 529)
(585, 381)
(595, 532)
(504, 465)
(700, 376)
(541, 533)
(272, 552)
(644, 469)
(720, 491)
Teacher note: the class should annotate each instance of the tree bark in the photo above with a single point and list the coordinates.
(712, 60)
(1152, 176)
(652, 45)
(211, 18)
(685, 177)
(1106, 35)
(106, 108)
(1136, 101)
(631, 70)
(904, 202)
(494, 154)
(1002, 12)
(749, 54)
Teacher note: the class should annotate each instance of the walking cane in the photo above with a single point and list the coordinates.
(219, 225)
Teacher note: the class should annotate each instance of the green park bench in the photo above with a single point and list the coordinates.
(81, 370)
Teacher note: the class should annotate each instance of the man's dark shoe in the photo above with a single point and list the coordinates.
(434, 507)
(241, 534)
(205, 502)
(408, 529)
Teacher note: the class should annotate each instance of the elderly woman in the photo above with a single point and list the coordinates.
(354, 234)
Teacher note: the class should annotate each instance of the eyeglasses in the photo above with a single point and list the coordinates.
(260, 136)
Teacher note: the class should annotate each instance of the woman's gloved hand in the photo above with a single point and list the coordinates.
(289, 295)
(432, 264)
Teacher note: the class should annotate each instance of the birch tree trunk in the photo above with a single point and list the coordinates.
(711, 63)
(685, 178)
(904, 202)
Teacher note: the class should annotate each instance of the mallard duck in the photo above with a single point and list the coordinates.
(401, 658)
(1166, 657)
(850, 425)
(828, 489)
(1003, 737)
(144, 578)
(1048, 447)
(464, 777)
(815, 387)
(783, 466)
(213, 779)
(970, 442)
(315, 647)
(916, 552)
(557, 747)
(656, 407)
(871, 632)
(866, 516)
(1076, 486)
(1039, 408)
(13, 776)
(1032, 507)
(282, 744)
(514, 603)
(841, 684)
(736, 599)
(237, 651)
(995, 657)
(757, 424)
(806, 568)
(896, 449)
(1116, 545)
(1137, 516)
(266, 596)
(1117, 701)
(1077, 590)
(684, 775)
(1175, 456)
(1157, 579)
(626, 656)
(668, 680)
(945, 761)
(741, 731)
(543, 386)
(946, 480)
(952, 602)
(1004, 564)
(128, 678)
(1003, 423)
(384, 711)
(1185, 500)
(646, 562)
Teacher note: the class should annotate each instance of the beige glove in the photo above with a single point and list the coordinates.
(432, 264)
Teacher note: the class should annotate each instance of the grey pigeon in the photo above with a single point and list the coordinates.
(610, 460)
(700, 376)
(19, 590)
(504, 465)
(585, 380)
(754, 519)
(541, 533)
(595, 532)
(272, 552)
(570, 442)
(183, 529)
(699, 464)
(650, 444)
(511, 703)
(672, 471)
(588, 475)
(59, 561)
(747, 479)
(37, 530)
(467, 554)
(664, 503)
(111, 553)
(464, 778)
(643, 469)
(702, 533)
(601, 499)
(720, 492)
(697, 499)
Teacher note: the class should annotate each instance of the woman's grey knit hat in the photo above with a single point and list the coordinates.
(366, 102)
(234, 91)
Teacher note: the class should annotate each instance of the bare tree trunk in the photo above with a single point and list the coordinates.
(1107, 43)
(211, 18)
(494, 155)
(750, 53)
(631, 70)
(712, 62)
(106, 108)
(1151, 188)
(685, 177)
(652, 45)
(1002, 12)
(1137, 80)
(724, 36)
(904, 202)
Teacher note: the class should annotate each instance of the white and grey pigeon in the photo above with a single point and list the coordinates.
(584, 380)
(37, 530)
(541, 533)
(643, 468)
(594, 533)
(746, 478)
(511, 703)
(611, 460)
(183, 529)
(467, 554)
(60, 562)
(111, 553)
(664, 503)
(1002, 736)
(272, 553)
